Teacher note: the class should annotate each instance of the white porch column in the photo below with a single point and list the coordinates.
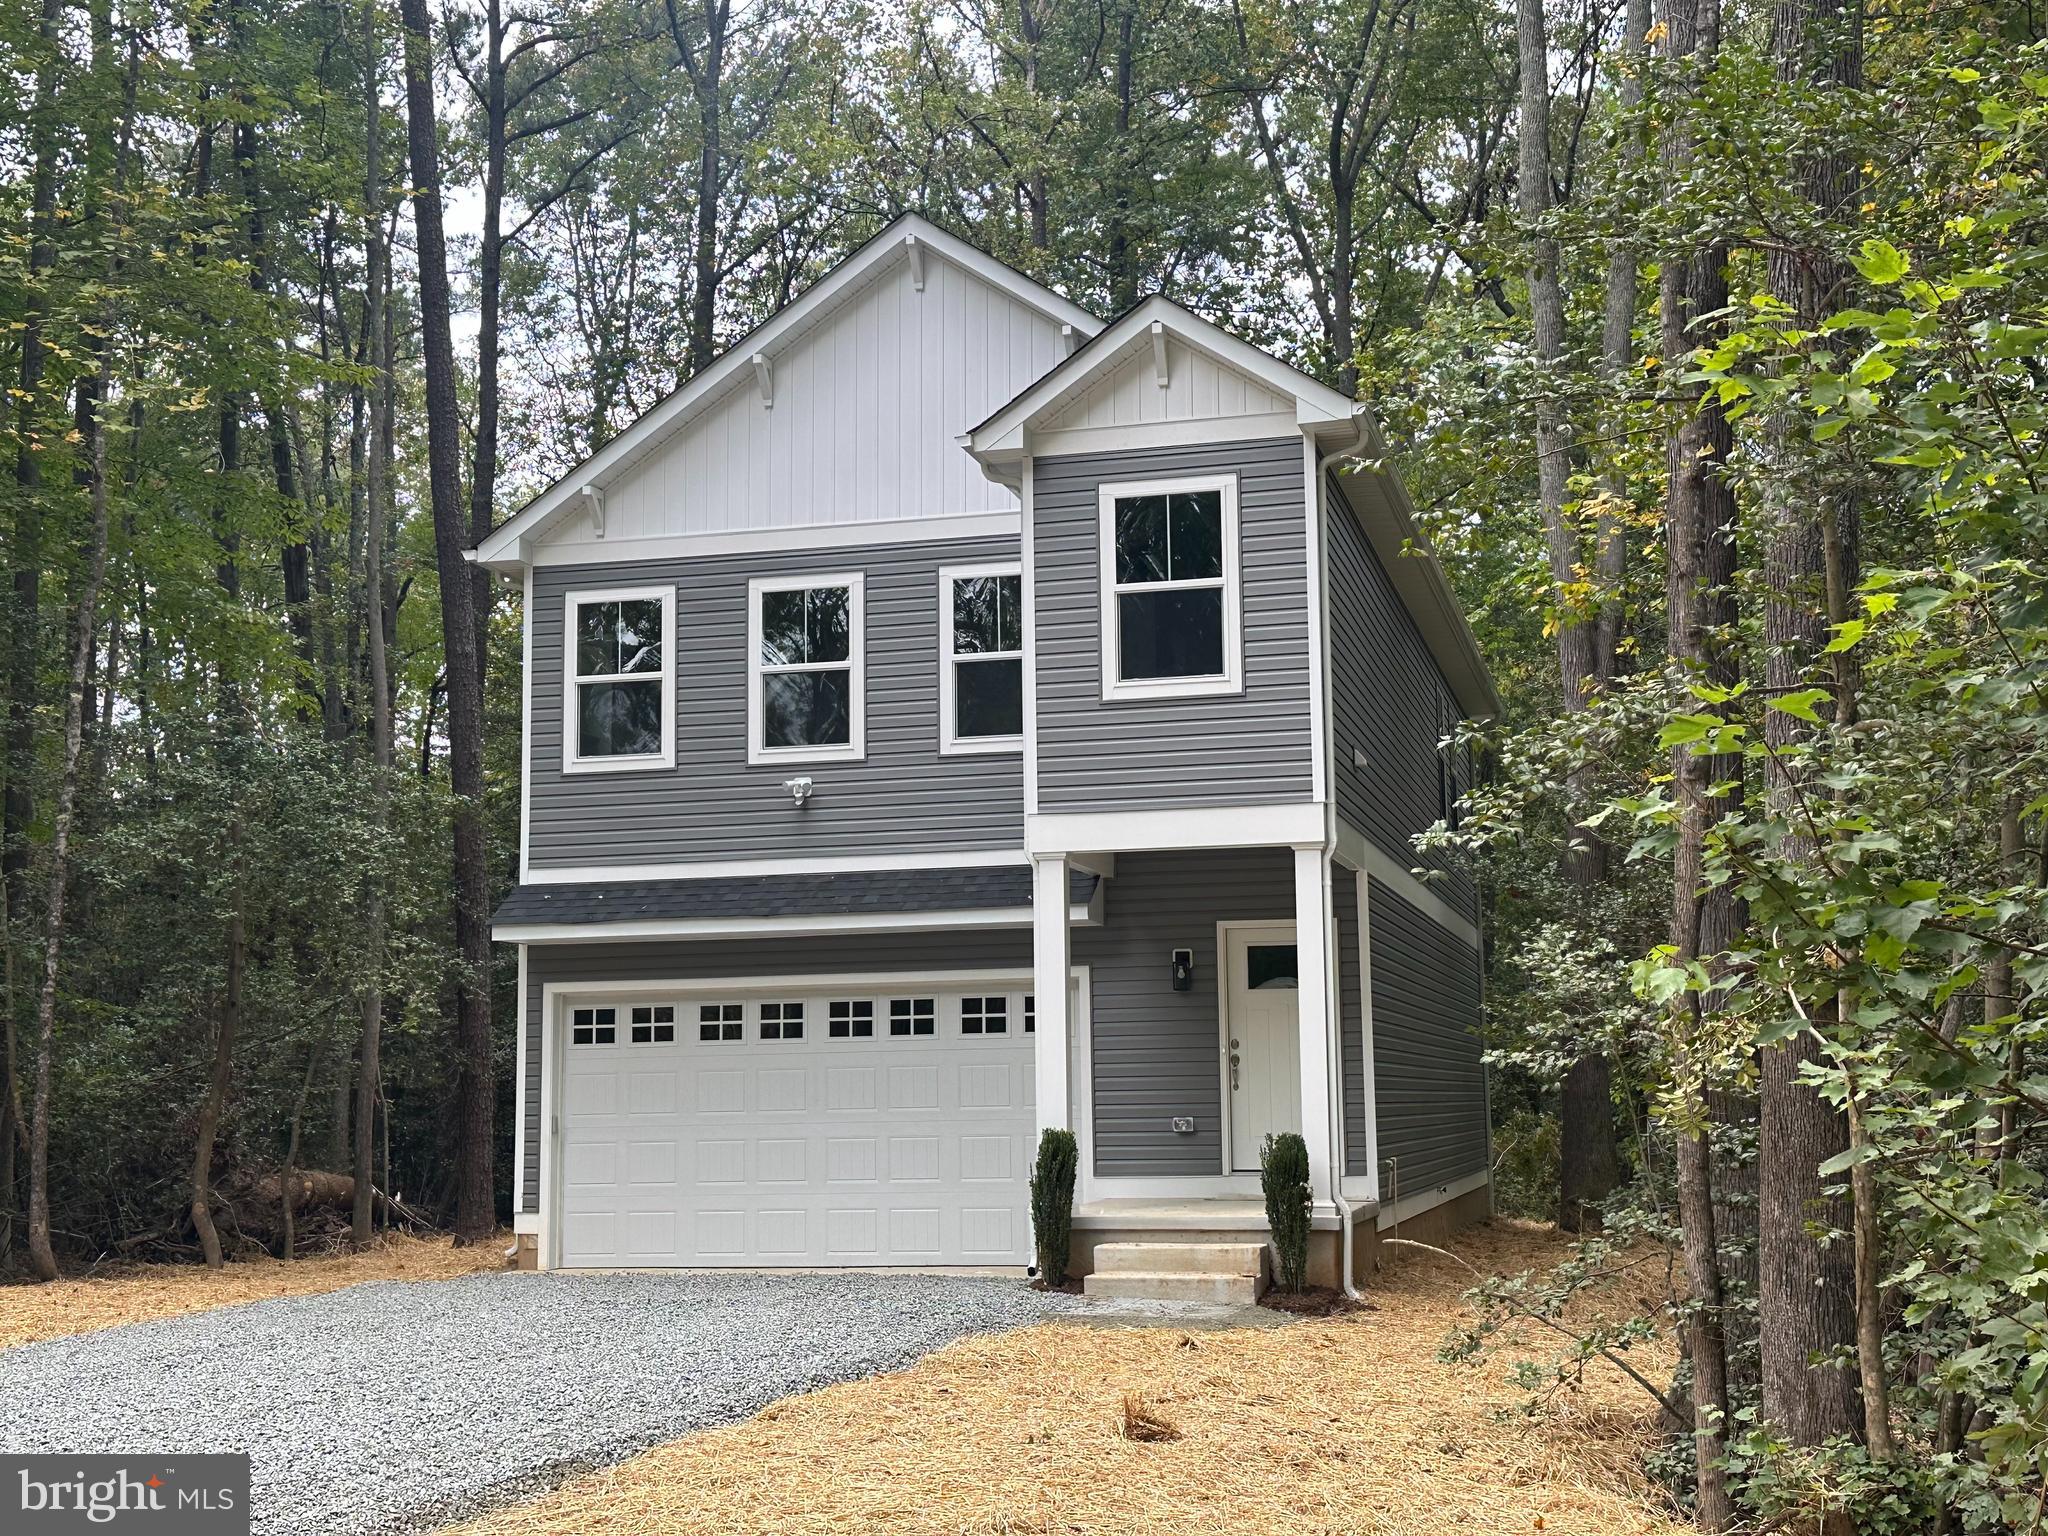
(1051, 965)
(1317, 1001)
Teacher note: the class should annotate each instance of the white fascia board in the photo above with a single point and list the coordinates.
(1084, 915)
(509, 545)
(808, 538)
(1295, 824)
(825, 864)
(1315, 402)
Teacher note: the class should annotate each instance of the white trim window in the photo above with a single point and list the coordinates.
(981, 658)
(1171, 625)
(807, 669)
(619, 679)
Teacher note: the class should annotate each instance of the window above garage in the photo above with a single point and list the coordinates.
(807, 657)
(1171, 625)
(618, 706)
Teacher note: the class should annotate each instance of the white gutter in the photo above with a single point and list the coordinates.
(1346, 1214)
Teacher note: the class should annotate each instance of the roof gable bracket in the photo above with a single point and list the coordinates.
(593, 504)
(916, 254)
(764, 379)
(1159, 369)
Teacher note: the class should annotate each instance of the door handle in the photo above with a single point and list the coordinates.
(1233, 1069)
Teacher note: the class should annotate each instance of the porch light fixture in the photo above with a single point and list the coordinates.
(799, 790)
(1183, 970)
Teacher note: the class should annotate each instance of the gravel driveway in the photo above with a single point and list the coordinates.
(397, 1406)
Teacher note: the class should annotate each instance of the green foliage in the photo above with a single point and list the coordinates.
(1052, 1203)
(1283, 1175)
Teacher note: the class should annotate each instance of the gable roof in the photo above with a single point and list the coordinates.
(1001, 437)
(909, 238)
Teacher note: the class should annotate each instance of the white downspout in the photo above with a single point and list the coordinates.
(1338, 1154)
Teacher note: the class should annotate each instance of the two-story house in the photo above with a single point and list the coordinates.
(949, 716)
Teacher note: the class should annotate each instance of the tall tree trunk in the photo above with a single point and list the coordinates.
(703, 61)
(41, 1256)
(1031, 29)
(368, 1066)
(483, 471)
(1806, 1302)
(1700, 519)
(227, 1027)
(1589, 1161)
(475, 1212)
(25, 633)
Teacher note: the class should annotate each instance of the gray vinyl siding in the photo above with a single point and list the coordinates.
(712, 804)
(1157, 1052)
(1389, 700)
(1350, 1018)
(1095, 755)
(996, 949)
(1427, 1072)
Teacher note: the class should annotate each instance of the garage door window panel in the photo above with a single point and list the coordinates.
(850, 1019)
(782, 1021)
(913, 1016)
(654, 1024)
(594, 1026)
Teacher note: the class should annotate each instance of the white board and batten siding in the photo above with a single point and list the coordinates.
(1198, 388)
(868, 403)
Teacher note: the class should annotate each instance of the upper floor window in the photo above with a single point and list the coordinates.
(806, 695)
(620, 698)
(1170, 601)
(981, 659)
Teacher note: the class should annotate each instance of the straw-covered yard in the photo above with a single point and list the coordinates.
(140, 1293)
(1349, 1424)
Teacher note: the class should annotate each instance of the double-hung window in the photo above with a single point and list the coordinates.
(981, 659)
(806, 693)
(1170, 599)
(618, 710)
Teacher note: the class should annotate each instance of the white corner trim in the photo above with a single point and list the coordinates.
(1231, 581)
(805, 539)
(630, 929)
(1319, 626)
(952, 744)
(1361, 853)
(1292, 824)
(854, 749)
(1028, 554)
(526, 722)
(824, 864)
(572, 761)
(1411, 1206)
(1368, 1071)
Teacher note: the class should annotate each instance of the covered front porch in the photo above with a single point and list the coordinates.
(1217, 1002)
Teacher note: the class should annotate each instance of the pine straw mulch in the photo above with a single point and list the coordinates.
(139, 1293)
(1340, 1425)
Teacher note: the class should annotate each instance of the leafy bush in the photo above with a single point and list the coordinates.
(1052, 1203)
(1283, 1174)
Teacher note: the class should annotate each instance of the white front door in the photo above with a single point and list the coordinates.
(1262, 1036)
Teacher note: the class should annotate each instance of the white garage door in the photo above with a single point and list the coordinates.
(797, 1127)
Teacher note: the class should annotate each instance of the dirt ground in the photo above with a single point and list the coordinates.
(138, 1293)
(1348, 1424)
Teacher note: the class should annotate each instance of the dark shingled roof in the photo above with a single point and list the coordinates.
(853, 894)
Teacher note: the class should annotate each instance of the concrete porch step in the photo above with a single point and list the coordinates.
(1174, 1285)
(1181, 1258)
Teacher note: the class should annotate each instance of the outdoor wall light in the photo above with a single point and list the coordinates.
(799, 790)
(1183, 969)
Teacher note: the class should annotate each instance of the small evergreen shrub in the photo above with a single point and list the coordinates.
(1283, 1173)
(1052, 1203)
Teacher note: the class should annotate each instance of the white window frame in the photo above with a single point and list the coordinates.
(856, 746)
(572, 714)
(950, 743)
(1231, 679)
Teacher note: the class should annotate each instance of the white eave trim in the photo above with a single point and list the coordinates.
(1081, 914)
(1293, 824)
(510, 545)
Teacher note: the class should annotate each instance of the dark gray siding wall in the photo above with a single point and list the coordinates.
(1351, 1029)
(997, 949)
(1426, 1066)
(1389, 701)
(712, 805)
(1139, 754)
(1158, 1052)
